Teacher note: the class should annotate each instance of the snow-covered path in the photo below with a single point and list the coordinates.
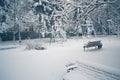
(49, 64)
(95, 73)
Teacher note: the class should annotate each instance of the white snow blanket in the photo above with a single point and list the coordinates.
(49, 64)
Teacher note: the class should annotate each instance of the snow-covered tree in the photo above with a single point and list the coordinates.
(16, 10)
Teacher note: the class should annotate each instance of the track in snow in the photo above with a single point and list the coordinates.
(94, 73)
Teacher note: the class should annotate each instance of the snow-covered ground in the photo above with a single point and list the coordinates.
(49, 64)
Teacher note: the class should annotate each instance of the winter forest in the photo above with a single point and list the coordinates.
(20, 19)
(59, 39)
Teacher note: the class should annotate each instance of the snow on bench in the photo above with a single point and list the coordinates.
(71, 66)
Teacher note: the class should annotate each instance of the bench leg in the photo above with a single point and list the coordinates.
(84, 49)
(95, 47)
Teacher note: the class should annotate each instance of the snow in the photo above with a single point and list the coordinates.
(75, 75)
(91, 71)
(100, 67)
(50, 64)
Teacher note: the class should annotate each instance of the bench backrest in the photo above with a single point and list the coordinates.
(93, 43)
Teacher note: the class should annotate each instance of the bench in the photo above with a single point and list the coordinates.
(71, 66)
(95, 44)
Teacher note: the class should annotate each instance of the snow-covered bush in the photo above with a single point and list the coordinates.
(34, 44)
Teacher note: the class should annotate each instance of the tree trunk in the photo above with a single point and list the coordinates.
(0, 34)
(118, 32)
(0, 39)
(39, 34)
(19, 35)
(13, 35)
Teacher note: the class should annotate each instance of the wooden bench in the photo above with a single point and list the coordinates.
(95, 44)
